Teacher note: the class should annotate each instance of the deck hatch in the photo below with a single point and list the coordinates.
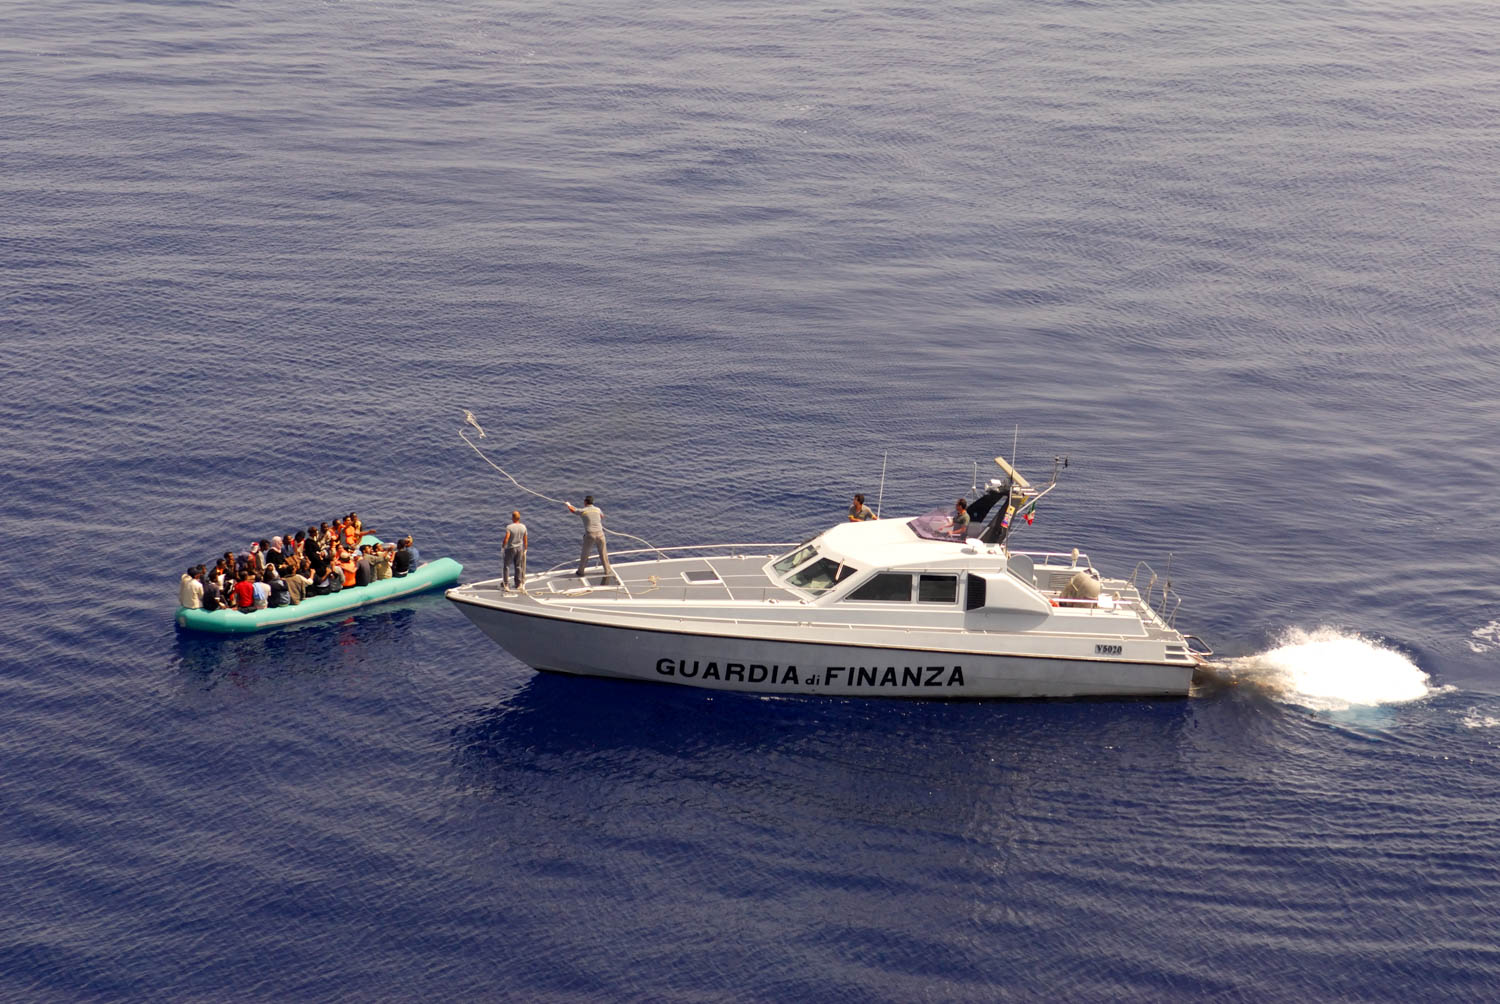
(700, 575)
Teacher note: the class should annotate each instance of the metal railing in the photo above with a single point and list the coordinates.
(667, 553)
(1167, 599)
(1081, 561)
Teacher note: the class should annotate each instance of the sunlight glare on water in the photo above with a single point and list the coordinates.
(1330, 670)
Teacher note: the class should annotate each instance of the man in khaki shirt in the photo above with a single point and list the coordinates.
(593, 534)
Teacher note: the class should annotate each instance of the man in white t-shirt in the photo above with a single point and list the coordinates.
(514, 551)
(190, 590)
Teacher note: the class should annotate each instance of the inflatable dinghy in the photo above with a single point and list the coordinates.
(432, 575)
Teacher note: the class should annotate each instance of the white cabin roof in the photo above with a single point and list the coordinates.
(890, 543)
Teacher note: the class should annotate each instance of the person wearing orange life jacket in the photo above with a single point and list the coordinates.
(348, 566)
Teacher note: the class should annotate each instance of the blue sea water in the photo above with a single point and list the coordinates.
(715, 264)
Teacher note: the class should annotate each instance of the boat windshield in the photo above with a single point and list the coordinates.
(934, 525)
(794, 558)
(821, 576)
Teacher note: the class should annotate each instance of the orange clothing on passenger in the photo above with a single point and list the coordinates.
(348, 566)
(351, 536)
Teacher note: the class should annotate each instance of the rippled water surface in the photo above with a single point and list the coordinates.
(715, 264)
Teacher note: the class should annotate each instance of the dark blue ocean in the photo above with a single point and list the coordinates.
(715, 264)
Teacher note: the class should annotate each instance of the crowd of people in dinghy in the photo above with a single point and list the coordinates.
(283, 571)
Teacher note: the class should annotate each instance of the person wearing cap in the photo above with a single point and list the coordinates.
(513, 550)
(593, 534)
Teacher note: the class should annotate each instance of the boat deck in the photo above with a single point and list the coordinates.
(734, 578)
(735, 575)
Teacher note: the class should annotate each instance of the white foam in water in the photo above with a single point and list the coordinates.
(1330, 670)
(1485, 638)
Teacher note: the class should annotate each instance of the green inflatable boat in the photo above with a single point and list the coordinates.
(433, 575)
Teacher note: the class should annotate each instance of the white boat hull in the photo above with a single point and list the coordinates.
(768, 665)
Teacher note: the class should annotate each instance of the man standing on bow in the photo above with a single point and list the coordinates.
(514, 548)
(593, 534)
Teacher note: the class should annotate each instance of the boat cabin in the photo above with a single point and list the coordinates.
(889, 562)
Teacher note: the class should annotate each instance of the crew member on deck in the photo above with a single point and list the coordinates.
(859, 512)
(958, 524)
(593, 534)
(514, 547)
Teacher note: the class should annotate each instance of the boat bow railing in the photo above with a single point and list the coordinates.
(684, 551)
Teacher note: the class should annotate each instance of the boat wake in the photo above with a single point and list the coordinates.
(1330, 670)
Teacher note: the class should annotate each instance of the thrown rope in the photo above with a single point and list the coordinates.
(462, 434)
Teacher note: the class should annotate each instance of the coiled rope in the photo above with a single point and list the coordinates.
(463, 434)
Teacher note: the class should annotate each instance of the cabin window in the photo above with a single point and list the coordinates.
(894, 587)
(975, 599)
(795, 558)
(821, 576)
(937, 588)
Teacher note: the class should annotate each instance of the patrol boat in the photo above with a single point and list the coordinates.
(883, 608)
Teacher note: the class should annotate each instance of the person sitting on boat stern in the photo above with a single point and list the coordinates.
(593, 534)
(513, 550)
(859, 512)
(958, 523)
(190, 589)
